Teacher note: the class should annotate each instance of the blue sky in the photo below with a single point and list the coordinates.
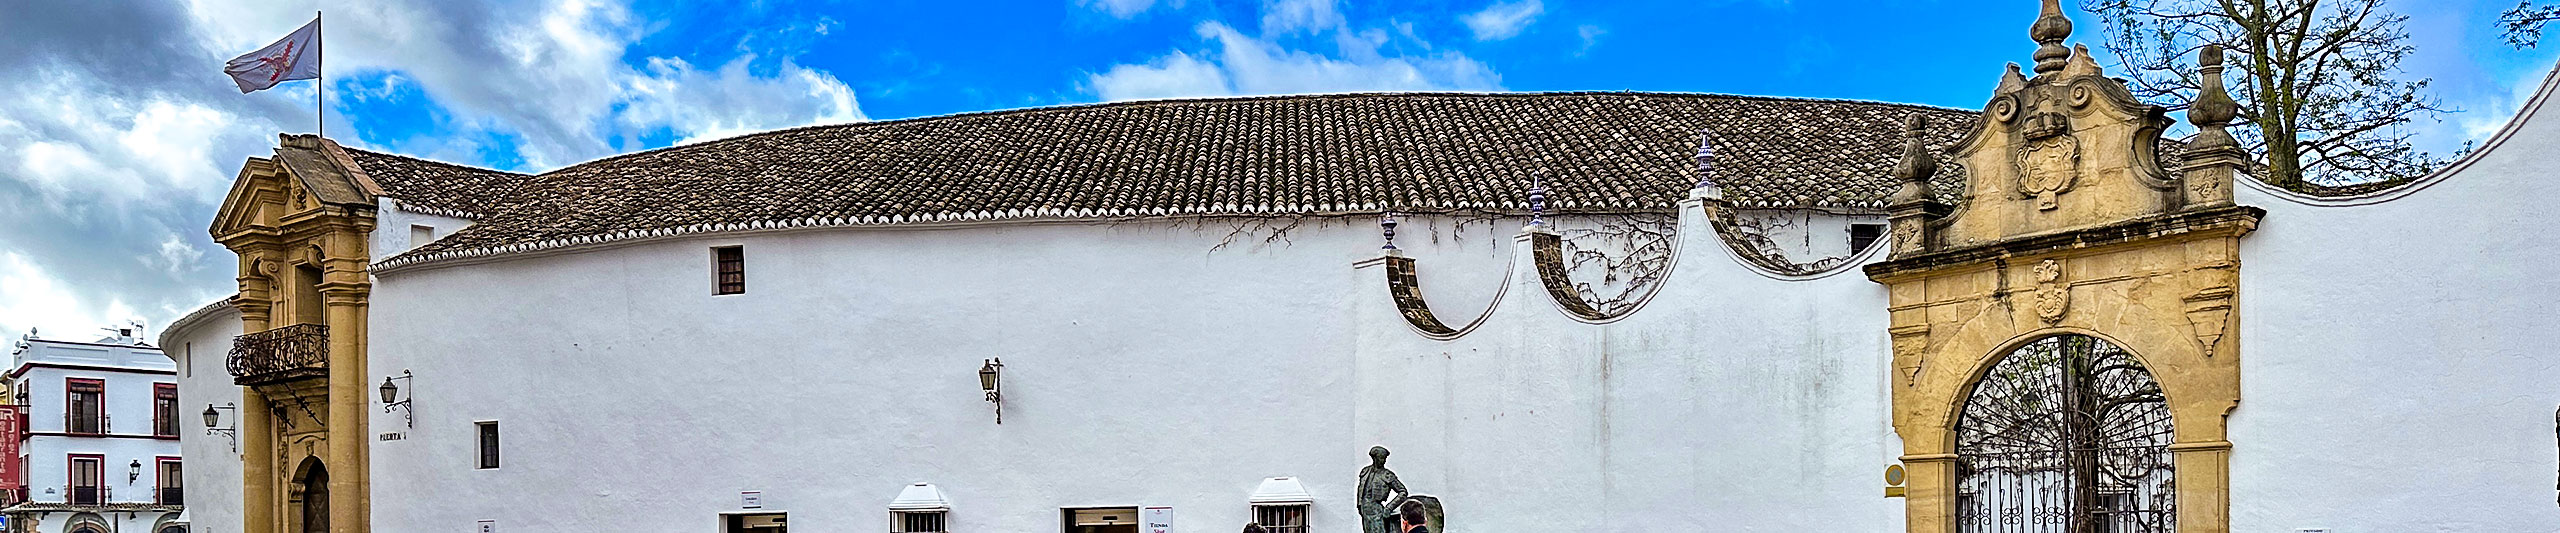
(123, 134)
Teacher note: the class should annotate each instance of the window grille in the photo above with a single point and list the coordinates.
(919, 522)
(1281, 518)
(1861, 235)
(488, 445)
(732, 262)
(164, 409)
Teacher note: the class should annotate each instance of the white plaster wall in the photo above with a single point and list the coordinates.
(2397, 368)
(212, 461)
(1142, 370)
(391, 234)
(1731, 402)
(1806, 235)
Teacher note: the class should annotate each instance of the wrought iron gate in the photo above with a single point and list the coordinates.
(2068, 434)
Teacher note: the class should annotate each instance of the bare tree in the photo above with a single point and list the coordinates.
(2317, 88)
(2524, 23)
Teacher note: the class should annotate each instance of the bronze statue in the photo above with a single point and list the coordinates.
(1380, 494)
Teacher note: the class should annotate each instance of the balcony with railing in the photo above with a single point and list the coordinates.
(172, 496)
(88, 423)
(278, 355)
(86, 496)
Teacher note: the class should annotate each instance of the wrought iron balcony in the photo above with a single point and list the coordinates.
(173, 496)
(86, 495)
(282, 354)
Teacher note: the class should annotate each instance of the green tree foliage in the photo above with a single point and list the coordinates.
(2317, 80)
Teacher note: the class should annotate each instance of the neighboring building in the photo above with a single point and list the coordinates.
(1197, 325)
(100, 448)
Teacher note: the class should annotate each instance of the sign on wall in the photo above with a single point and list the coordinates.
(1157, 519)
(12, 427)
(751, 499)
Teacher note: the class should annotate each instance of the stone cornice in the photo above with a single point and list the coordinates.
(2236, 220)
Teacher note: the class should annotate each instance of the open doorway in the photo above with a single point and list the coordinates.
(1101, 520)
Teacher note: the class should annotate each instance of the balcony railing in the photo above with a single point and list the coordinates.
(91, 424)
(87, 496)
(173, 496)
(281, 354)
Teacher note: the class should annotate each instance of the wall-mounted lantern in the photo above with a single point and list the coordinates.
(391, 398)
(133, 472)
(213, 424)
(991, 380)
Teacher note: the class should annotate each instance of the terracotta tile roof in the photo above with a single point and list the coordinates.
(436, 186)
(1311, 155)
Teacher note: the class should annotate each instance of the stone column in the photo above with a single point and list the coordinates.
(349, 403)
(2203, 464)
(1930, 507)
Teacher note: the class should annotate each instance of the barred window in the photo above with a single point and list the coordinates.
(1861, 235)
(732, 268)
(1281, 518)
(918, 522)
(488, 445)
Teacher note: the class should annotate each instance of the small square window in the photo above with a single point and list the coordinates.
(731, 269)
(1862, 235)
(488, 445)
(917, 522)
(421, 234)
(1281, 518)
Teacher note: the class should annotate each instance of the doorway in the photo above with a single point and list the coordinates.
(1102, 520)
(313, 484)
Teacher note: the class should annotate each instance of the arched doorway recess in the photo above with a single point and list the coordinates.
(2065, 434)
(311, 480)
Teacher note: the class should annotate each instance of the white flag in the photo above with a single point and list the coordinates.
(296, 57)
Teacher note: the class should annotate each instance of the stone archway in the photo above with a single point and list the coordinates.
(2066, 433)
(311, 482)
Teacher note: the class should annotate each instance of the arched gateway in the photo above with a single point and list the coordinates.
(2066, 434)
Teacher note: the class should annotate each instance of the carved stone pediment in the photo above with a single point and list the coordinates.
(2069, 148)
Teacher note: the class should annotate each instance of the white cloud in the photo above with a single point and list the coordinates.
(1240, 64)
(1288, 16)
(120, 134)
(1590, 34)
(1503, 20)
(37, 299)
(556, 75)
(1176, 75)
(1125, 8)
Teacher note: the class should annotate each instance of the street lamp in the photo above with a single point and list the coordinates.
(991, 380)
(133, 472)
(213, 424)
(391, 398)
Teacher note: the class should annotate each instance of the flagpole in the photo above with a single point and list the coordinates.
(319, 93)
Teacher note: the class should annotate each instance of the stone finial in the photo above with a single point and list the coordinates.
(2214, 109)
(2049, 31)
(2214, 159)
(1387, 225)
(1537, 201)
(1706, 187)
(1917, 165)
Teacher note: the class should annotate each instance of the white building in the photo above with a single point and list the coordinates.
(1197, 325)
(100, 448)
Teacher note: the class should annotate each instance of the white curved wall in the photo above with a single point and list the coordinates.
(200, 348)
(2398, 369)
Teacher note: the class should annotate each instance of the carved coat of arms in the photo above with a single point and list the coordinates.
(2047, 167)
(2052, 295)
